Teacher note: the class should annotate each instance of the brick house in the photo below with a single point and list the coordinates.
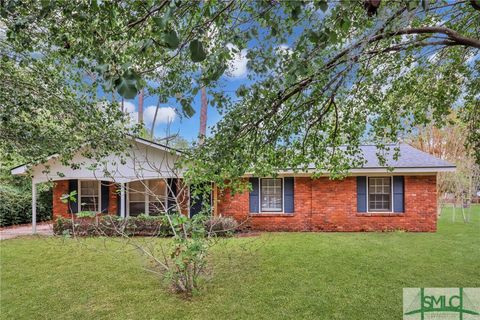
(144, 180)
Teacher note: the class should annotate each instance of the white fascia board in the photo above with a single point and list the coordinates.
(156, 145)
(19, 171)
(356, 172)
(23, 169)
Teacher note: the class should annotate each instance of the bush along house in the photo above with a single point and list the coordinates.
(145, 181)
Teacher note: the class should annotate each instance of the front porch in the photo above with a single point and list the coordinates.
(148, 196)
(143, 179)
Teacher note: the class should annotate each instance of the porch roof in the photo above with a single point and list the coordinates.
(143, 160)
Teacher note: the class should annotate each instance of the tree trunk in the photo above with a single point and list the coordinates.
(203, 115)
(140, 106)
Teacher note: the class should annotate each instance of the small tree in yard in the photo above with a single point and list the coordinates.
(182, 257)
(450, 143)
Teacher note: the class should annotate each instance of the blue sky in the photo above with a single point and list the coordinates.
(189, 127)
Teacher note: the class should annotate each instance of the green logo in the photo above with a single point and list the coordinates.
(441, 303)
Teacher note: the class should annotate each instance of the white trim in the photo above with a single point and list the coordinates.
(22, 170)
(147, 190)
(34, 208)
(365, 171)
(156, 145)
(127, 200)
(122, 200)
(147, 197)
(79, 193)
(260, 197)
(18, 171)
(392, 210)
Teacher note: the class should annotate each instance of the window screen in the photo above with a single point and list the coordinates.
(89, 199)
(379, 194)
(271, 195)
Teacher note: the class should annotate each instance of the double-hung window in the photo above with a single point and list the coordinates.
(271, 195)
(157, 202)
(136, 198)
(89, 195)
(147, 197)
(380, 194)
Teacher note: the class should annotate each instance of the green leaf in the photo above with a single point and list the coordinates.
(242, 91)
(217, 72)
(345, 24)
(159, 21)
(197, 53)
(171, 39)
(187, 109)
(323, 5)
(313, 36)
(296, 10)
(412, 4)
(127, 85)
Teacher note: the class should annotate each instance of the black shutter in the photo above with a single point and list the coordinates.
(254, 195)
(117, 188)
(288, 194)
(362, 194)
(105, 191)
(197, 202)
(172, 194)
(398, 194)
(73, 186)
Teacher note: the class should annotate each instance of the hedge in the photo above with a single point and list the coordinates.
(16, 205)
(105, 225)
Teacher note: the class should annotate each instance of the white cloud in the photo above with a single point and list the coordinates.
(238, 66)
(284, 49)
(164, 115)
(3, 31)
(129, 109)
(473, 58)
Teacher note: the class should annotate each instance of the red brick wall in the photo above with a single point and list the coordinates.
(112, 202)
(331, 205)
(60, 209)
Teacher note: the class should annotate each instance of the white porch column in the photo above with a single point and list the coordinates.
(122, 200)
(34, 207)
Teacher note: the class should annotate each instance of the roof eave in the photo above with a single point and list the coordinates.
(373, 170)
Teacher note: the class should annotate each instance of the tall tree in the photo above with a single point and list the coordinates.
(351, 68)
(449, 143)
(203, 114)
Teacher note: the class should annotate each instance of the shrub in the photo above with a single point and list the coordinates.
(221, 226)
(16, 205)
(104, 225)
(142, 225)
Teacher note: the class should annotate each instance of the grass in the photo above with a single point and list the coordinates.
(274, 276)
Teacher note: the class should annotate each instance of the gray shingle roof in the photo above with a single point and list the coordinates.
(410, 157)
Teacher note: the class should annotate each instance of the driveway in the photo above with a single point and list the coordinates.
(44, 228)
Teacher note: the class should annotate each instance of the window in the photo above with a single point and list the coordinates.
(157, 194)
(380, 194)
(89, 192)
(271, 195)
(136, 198)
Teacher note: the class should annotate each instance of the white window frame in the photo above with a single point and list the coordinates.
(282, 210)
(146, 201)
(147, 195)
(391, 195)
(79, 191)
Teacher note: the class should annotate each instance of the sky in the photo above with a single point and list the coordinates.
(170, 122)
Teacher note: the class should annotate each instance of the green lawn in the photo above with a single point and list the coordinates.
(274, 276)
